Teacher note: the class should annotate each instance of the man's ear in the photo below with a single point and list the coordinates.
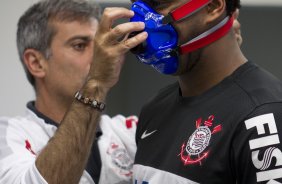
(35, 62)
(216, 8)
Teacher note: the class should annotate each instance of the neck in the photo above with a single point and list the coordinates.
(217, 61)
(50, 105)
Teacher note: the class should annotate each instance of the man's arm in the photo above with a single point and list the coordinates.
(64, 158)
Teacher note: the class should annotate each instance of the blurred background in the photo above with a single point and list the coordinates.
(261, 26)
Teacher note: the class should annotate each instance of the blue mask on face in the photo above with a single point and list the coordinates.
(160, 50)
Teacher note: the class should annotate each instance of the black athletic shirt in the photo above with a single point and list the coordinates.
(230, 134)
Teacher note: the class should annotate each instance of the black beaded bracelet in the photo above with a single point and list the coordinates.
(87, 101)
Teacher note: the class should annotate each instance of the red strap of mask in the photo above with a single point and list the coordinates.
(208, 37)
(185, 10)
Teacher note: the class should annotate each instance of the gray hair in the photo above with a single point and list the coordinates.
(35, 30)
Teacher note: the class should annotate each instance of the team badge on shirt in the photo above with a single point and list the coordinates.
(120, 159)
(195, 150)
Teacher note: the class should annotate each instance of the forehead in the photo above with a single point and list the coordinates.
(68, 29)
(60, 24)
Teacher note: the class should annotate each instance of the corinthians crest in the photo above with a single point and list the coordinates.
(195, 150)
(120, 159)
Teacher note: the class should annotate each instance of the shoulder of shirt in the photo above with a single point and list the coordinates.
(28, 124)
(261, 86)
(154, 102)
(13, 122)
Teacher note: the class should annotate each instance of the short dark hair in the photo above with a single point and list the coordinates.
(232, 5)
(34, 28)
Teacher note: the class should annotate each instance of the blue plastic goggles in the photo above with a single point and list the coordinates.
(160, 50)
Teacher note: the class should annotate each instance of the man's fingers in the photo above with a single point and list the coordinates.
(112, 14)
(130, 43)
(120, 31)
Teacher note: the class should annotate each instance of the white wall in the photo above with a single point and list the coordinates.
(15, 90)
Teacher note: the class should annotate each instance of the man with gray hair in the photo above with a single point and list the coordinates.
(64, 138)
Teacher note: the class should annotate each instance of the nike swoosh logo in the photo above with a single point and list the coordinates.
(145, 134)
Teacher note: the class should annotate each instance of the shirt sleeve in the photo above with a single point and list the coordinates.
(17, 160)
(257, 148)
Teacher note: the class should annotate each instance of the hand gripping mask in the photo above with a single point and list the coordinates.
(161, 49)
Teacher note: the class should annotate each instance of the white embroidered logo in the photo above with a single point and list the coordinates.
(145, 134)
(120, 159)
